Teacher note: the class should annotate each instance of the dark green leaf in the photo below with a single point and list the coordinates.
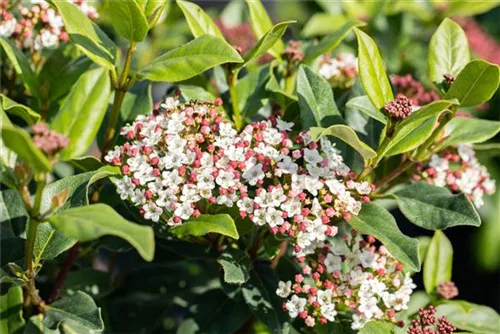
(261, 24)
(199, 22)
(363, 103)
(12, 250)
(96, 283)
(204, 224)
(11, 310)
(11, 205)
(50, 243)
(137, 101)
(470, 317)
(20, 142)
(19, 110)
(462, 130)
(438, 262)
(129, 20)
(236, 266)
(87, 163)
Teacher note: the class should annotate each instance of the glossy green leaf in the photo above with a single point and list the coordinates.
(448, 51)
(470, 317)
(330, 42)
(128, 19)
(137, 101)
(411, 137)
(199, 22)
(371, 70)
(11, 205)
(363, 104)
(379, 327)
(347, 135)
(317, 105)
(22, 67)
(469, 8)
(89, 38)
(475, 84)
(153, 10)
(435, 208)
(423, 242)
(261, 24)
(204, 224)
(432, 109)
(190, 60)
(19, 141)
(13, 108)
(470, 131)
(376, 221)
(11, 310)
(81, 115)
(94, 221)
(236, 266)
(87, 163)
(189, 92)
(438, 262)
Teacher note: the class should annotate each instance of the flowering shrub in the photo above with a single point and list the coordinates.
(257, 195)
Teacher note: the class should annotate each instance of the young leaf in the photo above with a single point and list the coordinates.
(199, 22)
(13, 108)
(411, 137)
(19, 141)
(190, 60)
(153, 10)
(89, 38)
(346, 134)
(371, 71)
(204, 224)
(11, 310)
(236, 266)
(432, 109)
(330, 42)
(438, 262)
(128, 19)
(83, 111)
(317, 105)
(470, 317)
(363, 104)
(448, 51)
(94, 221)
(470, 131)
(468, 8)
(435, 208)
(379, 223)
(475, 84)
(261, 24)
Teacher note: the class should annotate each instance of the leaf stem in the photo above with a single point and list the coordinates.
(423, 150)
(394, 174)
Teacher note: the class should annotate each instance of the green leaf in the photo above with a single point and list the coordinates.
(199, 22)
(87, 163)
(153, 10)
(22, 67)
(371, 70)
(19, 141)
(432, 109)
(236, 266)
(379, 223)
(475, 84)
(469, 8)
(423, 242)
(261, 24)
(81, 115)
(11, 310)
(317, 105)
(96, 283)
(137, 101)
(321, 24)
(363, 104)
(448, 51)
(204, 224)
(330, 42)
(470, 317)
(469, 131)
(435, 208)
(411, 137)
(378, 327)
(88, 37)
(13, 108)
(190, 60)
(189, 92)
(128, 19)
(11, 205)
(346, 134)
(438, 262)
(418, 299)
(265, 43)
(50, 243)
(94, 221)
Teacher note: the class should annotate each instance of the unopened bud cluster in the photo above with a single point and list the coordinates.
(293, 53)
(460, 171)
(447, 290)
(427, 323)
(413, 89)
(341, 71)
(50, 142)
(349, 275)
(400, 108)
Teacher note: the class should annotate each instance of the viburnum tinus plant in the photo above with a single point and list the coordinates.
(255, 196)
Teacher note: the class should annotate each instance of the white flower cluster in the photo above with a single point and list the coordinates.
(352, 275)
(340, 71)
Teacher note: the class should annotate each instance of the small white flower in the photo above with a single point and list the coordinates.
(284, 289)
(152, 212)
(295, 305)
(254, 174)
(284, 126)
(328, 311)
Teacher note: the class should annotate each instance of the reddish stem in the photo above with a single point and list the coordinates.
(63, 273)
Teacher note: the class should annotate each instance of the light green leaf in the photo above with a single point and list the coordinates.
(411, 137)
(435, 208)
(469, 8)
(321, 24)
(81, 115)
(330, 42)
(89, 38)
(376, 221)
(448, 51)
(236, 266)
(204, 224)
(423, 242)
(469, 131)
(470, 317)
(371, 70)
(346, 134)
(19, 141)
(199, 22)
(190, 60)
(317, 105)
(128, 19)
(261, 24)
(153, 10)
(13, 108)
(432, 109)
(378, 327)
(11, 310)
(438, 262)
(363, 104)
(475, 84)
(189, 92)
(94, 221)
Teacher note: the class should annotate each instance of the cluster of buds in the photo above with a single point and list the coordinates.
(447, 290)
(400, 108)
(50, 142)
(459, 170)
(341, 71)
(293, 53)
(429, 324)
(37, 26)
(413, 89)
(352, 276)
